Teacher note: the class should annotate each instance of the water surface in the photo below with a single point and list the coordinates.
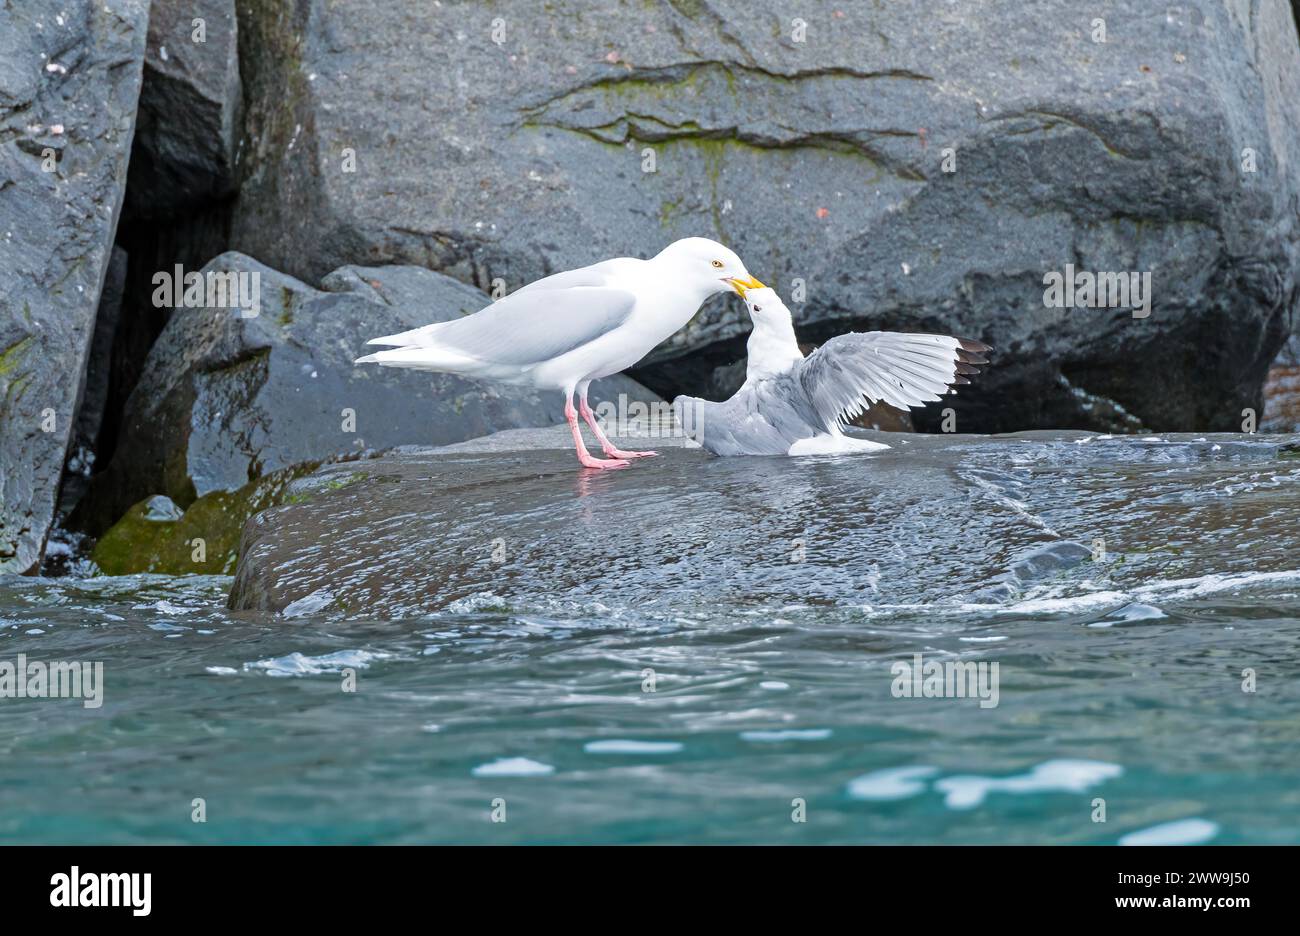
(1121, 667)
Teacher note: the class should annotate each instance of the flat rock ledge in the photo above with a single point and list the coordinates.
(510, 524)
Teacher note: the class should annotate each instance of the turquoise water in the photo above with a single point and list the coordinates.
(1120, 680)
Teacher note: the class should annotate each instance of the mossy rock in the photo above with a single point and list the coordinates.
(146, 539)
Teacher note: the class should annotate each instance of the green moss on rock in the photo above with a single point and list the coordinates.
(137, 543)
(10, 357)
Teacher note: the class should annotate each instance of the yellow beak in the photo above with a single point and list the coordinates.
(740, 285)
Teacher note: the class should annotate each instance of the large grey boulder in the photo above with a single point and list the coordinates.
(189, 127)
(228, 396)
(69, 79)
(508, 142)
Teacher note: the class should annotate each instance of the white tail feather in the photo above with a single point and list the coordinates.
(417, 337)
(432, 359)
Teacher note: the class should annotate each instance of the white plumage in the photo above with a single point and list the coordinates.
(794, 405)
(566, 330)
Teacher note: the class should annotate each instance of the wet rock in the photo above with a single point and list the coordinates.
(227, 396)
(511, 523)
(1034, 566)
(191, 104)
(159, 509)
(68, 90)
(1045, 561)
(487, 478)
(822, 156)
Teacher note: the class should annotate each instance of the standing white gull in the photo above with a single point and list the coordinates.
(566, 330)
(792, 405)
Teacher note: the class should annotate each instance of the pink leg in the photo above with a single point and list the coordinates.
(587, 459)
(609, 447)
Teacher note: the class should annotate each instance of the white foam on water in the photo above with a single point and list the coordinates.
(513, 767)
(1216, 582)
(479, 601)
(167, 607)
(1128, 605)
(309, 604)
(788, 734)
(1073, 604)
(1180, 832)
(1138, 612)
(982, 639)
(773, 684)
(623, 746)
(886, 609)
(222, 670)
(893, 783)
(296, 664)
(1082, 598)
(1055, 776)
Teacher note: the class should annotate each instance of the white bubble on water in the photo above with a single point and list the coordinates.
(513, 767)
(1181, 832)
(892, 783)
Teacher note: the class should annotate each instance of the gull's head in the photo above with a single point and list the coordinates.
(708, 265)
(772, 347)
(765, 306)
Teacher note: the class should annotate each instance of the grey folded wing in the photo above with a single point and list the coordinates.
(597, 274)
(533, 326)
(849, 372)
(763, 419)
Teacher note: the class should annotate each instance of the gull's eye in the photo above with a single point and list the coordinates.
(758, 308)
(717, 264)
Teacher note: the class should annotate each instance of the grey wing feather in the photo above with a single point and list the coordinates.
(764, 419)
(532, 326)
(851, 371)
(598, 274)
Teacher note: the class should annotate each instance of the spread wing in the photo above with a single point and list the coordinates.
(849, 372)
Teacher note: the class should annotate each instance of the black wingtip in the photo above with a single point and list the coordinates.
(969, 353)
